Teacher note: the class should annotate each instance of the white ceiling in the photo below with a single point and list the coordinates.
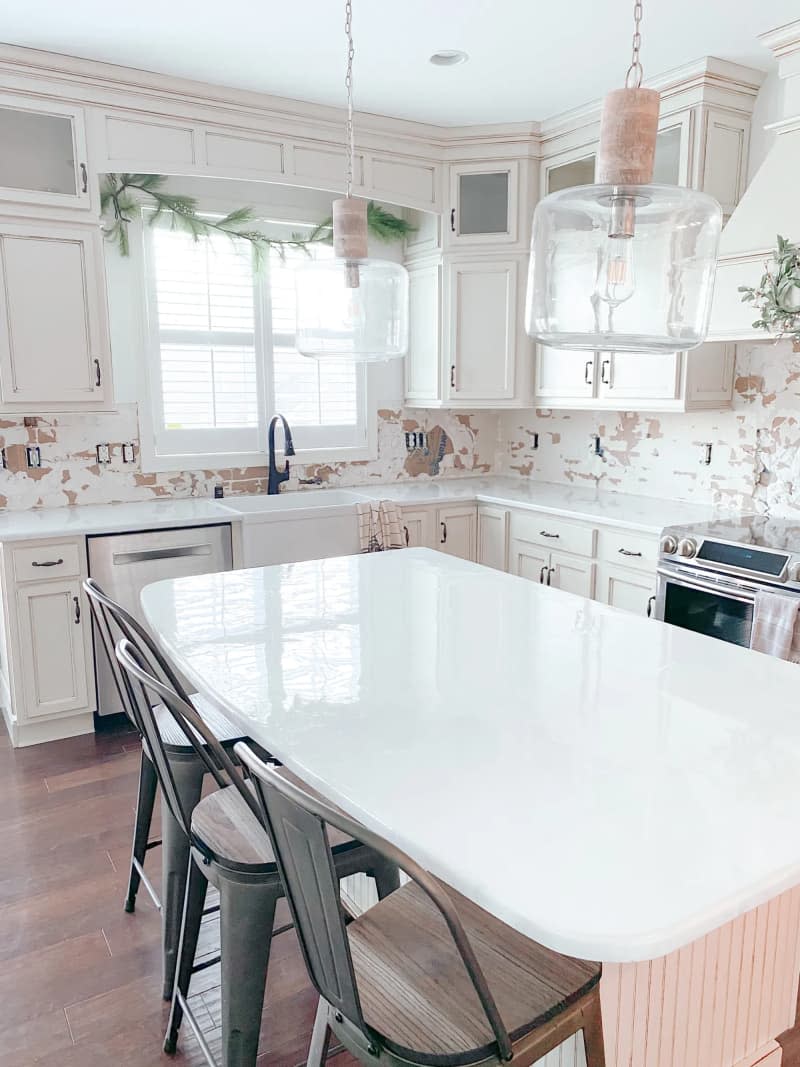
(528, 59)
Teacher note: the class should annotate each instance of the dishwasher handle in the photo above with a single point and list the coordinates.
(145, 555)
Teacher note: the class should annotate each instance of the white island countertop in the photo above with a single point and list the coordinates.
(608, 785)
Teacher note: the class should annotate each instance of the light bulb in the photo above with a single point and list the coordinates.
(616, 281)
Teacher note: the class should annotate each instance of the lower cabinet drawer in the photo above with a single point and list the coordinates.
(627, 549)
(553, 532)
(46, 562)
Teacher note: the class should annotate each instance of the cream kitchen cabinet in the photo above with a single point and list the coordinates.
(626, 588)
(493, 536)
(484, 204)
(450, 528)
(684, 381)
(417, 526)
(48, 669)
(560, 570)
(54, 342)
(468, 348)
(44, 158)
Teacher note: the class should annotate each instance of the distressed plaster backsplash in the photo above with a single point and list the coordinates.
(755, 459)
(70, 474)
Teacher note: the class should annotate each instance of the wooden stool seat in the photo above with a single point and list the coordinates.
(174, 738)
(231, 835)
(416, 993)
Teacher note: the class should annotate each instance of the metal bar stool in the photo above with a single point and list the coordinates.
(231, 850)
(425, 976)
(189, 771)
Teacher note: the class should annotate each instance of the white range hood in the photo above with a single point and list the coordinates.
(770, 205)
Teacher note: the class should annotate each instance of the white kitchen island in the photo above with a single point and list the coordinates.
(617, 789)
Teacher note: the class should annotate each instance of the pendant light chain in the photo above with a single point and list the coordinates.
(348, 81)
(633, 78)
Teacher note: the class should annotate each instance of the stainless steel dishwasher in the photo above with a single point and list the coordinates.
(123, 564)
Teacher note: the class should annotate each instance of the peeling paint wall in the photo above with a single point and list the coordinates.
(458, 444)
(755, 459)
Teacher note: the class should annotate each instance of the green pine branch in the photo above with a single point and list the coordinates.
(122, 195)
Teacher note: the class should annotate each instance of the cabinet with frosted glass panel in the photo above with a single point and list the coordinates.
(44, 158)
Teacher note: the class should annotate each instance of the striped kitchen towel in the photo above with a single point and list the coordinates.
(379, 527)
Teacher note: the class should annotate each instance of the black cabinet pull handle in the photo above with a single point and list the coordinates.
(444, 533)
(452, 375)
(586, 370)
(604, 366)
(453, 220)
(541, 574)
(84, 178)
(77, 604)
(651, 603)
(627, 552)
(97, 375)
(47, 563)
(405, 531)
(549, 574)
(544, 533)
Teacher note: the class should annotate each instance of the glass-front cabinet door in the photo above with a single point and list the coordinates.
(670, 166)
(483, 204)
(43, 156)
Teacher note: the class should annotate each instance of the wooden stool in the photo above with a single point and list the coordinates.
(425, 976)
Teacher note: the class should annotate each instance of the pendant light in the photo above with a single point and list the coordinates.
(351, 307)
(624, 264)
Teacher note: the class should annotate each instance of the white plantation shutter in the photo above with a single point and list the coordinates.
(224, 355)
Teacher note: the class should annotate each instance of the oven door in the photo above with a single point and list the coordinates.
(716, 608)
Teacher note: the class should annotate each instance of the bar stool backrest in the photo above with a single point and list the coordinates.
(112, 621)
(140, 670)
(297, 826)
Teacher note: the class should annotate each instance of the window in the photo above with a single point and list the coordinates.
(222, 356)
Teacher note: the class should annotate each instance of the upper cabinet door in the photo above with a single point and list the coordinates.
(422, 367)
(640, 375)
(43, 158)
(483, 204)
(563, 375)
(481, 329)
(54, 346)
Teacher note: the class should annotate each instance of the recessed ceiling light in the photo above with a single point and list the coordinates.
(448, 57)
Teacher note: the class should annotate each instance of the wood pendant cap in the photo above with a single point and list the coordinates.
(628, 129)
(350, 228)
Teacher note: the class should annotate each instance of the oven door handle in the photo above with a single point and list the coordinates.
(731, 592)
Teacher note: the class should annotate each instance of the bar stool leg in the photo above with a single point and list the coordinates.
(196, 888)
(320, 1037)
(593, 1033)
(387, 879)
(145, 801)
(246, 919)
(188, 775)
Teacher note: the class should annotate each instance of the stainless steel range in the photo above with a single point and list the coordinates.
(709, 574)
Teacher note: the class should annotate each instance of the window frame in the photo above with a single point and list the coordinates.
(154, 457)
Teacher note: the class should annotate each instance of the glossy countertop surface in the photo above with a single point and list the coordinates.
(648, 514)
(609, 785)
(89, 519)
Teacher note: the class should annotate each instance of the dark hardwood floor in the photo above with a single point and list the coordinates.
(79, 978)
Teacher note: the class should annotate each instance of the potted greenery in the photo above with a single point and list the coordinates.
(777, 295)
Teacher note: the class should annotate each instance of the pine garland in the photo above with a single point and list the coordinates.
(777, 295)
(121, 199)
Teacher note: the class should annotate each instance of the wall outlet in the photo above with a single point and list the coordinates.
(128, 452)
(3, 458)
(34, 455)
(596, 445)
(103, 454)
(416, 439)
(705, 458)
(219, 492)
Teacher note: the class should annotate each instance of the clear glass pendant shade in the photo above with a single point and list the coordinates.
(628, 268)
(352, 309)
